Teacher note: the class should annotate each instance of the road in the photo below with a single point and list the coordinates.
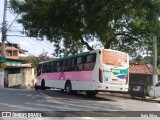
(57, 103)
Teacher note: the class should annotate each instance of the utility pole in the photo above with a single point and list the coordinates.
(4, 29)
(155, 76)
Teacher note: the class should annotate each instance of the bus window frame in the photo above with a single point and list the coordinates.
(39, 69)
(94, 55)
(58, 66)
(82, 63)
(89, 66)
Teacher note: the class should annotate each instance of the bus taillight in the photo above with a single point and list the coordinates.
(100, 76)
(126, 79)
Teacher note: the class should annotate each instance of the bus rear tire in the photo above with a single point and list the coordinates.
(91, 93)
(68, 87)
(36, 87)
(43, 85)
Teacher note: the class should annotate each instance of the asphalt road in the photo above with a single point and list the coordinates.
(54, 103)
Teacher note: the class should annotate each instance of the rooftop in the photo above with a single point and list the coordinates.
(140, 68)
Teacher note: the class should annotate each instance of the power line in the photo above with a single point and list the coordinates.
(42, 44)
(12, 22)
(24, 37)
(13, 43)
(33, 39)
(17, 35)
(31, 47)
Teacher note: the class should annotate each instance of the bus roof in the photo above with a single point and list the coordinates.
(77, 55)
(66, 57)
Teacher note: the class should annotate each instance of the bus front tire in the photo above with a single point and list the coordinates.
(68, 87)
(43, 85)
(91, 93)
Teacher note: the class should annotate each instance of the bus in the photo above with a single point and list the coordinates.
(93, 71)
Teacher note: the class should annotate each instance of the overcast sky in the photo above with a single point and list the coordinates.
(33, 46)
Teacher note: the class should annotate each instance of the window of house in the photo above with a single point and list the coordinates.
(14, 70)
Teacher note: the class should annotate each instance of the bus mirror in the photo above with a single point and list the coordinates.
(99, 52)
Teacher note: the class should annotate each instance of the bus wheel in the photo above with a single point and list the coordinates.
(143, 98)
(62, 90)
(68, 87)
(35, 87)
(91, 93)
(43, 85)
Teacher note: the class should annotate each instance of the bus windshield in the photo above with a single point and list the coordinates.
(114, 58)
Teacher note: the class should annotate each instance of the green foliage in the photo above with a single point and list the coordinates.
(125, 25)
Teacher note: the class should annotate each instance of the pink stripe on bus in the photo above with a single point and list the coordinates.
(79, 75)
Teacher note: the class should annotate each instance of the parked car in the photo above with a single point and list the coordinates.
(155, 90)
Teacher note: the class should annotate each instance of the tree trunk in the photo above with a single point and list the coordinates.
(85, 43)
(108, 44)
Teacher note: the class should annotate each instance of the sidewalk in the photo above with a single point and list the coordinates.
(127, 96)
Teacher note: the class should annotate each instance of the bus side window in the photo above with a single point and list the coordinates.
(58, 66)
(48, 67)
(64, 66)
(44, 68)
(89, 62)
(54, 66)
(39, 69)
(69, 65)
(73, 65)
(80, 63)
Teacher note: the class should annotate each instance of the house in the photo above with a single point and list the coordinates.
(13, 51)
(16, 73)
(23, 53)
(140, 72)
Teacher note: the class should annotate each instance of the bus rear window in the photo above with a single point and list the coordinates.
(118, 59)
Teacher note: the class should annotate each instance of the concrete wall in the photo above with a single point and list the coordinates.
(24, 78)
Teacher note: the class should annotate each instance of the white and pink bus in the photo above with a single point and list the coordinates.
(93, 71)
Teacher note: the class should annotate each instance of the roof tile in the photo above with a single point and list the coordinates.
(139, 69)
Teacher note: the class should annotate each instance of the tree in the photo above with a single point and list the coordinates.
(35, 60)
(125, 25)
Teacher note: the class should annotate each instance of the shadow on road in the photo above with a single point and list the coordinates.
(127, 96)
(77, 96)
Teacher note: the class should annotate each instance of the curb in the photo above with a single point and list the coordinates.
(127, 96)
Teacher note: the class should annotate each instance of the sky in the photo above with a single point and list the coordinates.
(32, 45)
